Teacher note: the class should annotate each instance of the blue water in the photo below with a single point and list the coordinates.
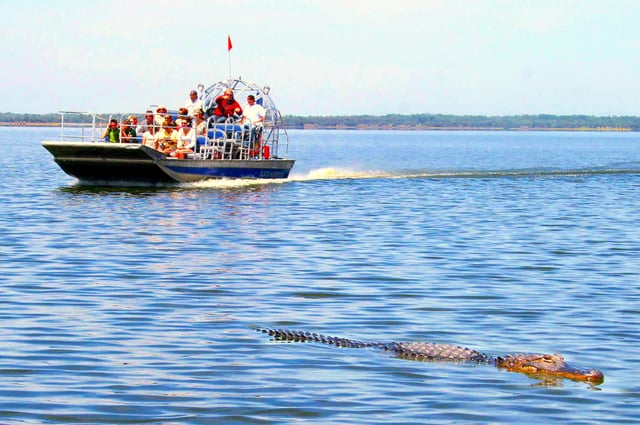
(136, 305)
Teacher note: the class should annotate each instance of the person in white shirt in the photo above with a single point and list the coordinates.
(148, 137)
(144, 125)
(186, 137)
(160, 115)
(253, 113)
(253, 118)
(193, 103)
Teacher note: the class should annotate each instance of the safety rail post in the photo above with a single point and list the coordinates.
(61, 125)
(93, 127)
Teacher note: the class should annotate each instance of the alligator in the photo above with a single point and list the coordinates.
(548, 367)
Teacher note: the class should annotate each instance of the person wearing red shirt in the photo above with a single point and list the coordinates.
(227, 107)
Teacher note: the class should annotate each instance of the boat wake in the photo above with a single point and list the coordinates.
(344, 174)
(233, 183)
(313, 175)
(339, 174)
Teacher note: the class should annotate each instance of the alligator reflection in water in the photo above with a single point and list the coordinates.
(547, 367)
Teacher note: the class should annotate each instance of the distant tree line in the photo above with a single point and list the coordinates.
(542, 121)
(54, 118)
(418, 121)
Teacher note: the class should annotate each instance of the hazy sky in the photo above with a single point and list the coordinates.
(326, 57)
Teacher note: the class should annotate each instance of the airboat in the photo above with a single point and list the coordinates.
(227, 149)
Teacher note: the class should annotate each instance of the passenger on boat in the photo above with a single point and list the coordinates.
(253, 117)
(161, 113)
(144, 126)
(193, 103)
(166, 137)
(186, 137)
(183, 113)
(149, 138)
(112, 132)
(168, 121)
(201, 124)
(127, 133)
(227, 107)
(253, 113)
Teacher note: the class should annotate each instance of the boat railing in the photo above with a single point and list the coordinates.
(273, 137)
(222, 140)
(278, 128)
(245, 141)
(74, 126)
(131, 120)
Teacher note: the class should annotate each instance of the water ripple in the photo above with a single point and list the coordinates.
(136, 305)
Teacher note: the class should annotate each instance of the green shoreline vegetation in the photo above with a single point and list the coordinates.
(538, 122)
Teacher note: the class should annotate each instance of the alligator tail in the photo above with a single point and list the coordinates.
(302, 336)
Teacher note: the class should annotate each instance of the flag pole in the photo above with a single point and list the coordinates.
(229, 47)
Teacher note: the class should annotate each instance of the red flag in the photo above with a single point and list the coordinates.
(229, 45)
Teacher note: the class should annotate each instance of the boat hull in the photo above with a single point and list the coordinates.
(132, 163)
(190, 170)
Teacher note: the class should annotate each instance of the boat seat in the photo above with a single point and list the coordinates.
(215, 133)
(227, 127)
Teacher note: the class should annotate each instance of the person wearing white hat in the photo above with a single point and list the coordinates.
(161, 114)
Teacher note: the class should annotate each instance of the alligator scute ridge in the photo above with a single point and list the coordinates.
(541, 366)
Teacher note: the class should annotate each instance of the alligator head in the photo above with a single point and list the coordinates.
(548, 366)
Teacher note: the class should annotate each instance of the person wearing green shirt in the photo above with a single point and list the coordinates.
(112, 132)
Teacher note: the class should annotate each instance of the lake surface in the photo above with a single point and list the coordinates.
(137, 305)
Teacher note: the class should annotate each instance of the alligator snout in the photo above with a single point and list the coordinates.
(551, 365)
(593, 376)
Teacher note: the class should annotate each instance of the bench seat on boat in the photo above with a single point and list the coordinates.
(226, 126)
(215, 133)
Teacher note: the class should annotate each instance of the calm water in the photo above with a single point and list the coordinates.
(134, 305)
